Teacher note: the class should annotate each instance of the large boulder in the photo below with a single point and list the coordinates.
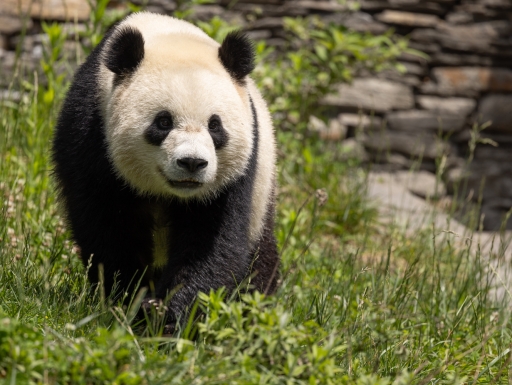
(424, 120)
(47, 9)
(471, 81)
(371, 94)
(496, 108)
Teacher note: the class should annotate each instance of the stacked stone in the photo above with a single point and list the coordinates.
(21, 21)
(466, 80)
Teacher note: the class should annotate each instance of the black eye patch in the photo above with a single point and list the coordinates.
(156, 133)
(217, 132)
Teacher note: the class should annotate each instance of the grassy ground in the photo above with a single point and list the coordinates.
(360, 302)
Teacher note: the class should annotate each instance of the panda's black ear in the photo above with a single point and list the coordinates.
(125, 51)
(237, 55)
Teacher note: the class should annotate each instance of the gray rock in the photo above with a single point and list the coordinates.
(501, 4)
(454, 177)
(321, 5)
(428, 48)
(495, 218)
(459, 17)
(419, 6)
(408, 19)
(373, 5)
(459, 106)
(501, 138)
(316, 124)
(73, 30)
(422, 183)
(37, 52)
(276, 42)
(267, 23)
(261, 34)
(287, 9)
(499, 153)
(352, 148)
(397, 161)
(478, 37)
(391, 161)
(420, 145)
(229, 2)
(424, 35)
(25, 66)
(478, 10)
(425, 120)
(461, 59)
(47, 9)
(487, 30)
(485, 179)
(26, 43)
(14, 96)
(360, 22)
(333, 131)
(372, 94)
(10, 24)
(158, 9)
(406, 79)
(497, 109)
(470, 80)
(415, 69)
(360, 121)
(207, 12)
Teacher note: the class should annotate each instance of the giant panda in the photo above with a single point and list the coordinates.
(164, 160)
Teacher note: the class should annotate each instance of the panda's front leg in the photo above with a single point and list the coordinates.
(208, 249)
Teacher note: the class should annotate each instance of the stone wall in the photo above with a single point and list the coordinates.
(465, 81)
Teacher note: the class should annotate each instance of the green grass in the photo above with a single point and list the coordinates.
(360, 302)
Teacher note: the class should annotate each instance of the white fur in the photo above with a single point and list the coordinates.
(181, 73)
(265, 172)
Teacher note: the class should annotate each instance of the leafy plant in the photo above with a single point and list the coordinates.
(100, 19)
(317, 58)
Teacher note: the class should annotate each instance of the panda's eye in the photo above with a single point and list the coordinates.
(164, 122)
(214, 125)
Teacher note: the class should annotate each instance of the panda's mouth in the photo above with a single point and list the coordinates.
(184, 183)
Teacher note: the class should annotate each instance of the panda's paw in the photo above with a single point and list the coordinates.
(154, 306)
(158, 313)
(169, 330)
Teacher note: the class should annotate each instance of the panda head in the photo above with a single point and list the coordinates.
(177, 112)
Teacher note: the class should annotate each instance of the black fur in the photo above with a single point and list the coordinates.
(112, 225)
(126, 51)
(265, 264)
(155, 134)
(109, 222)
(217, 132)
(237, 55)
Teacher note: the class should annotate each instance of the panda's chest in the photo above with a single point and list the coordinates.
(160, 235)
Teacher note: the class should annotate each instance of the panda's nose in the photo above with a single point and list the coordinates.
(192, 164)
